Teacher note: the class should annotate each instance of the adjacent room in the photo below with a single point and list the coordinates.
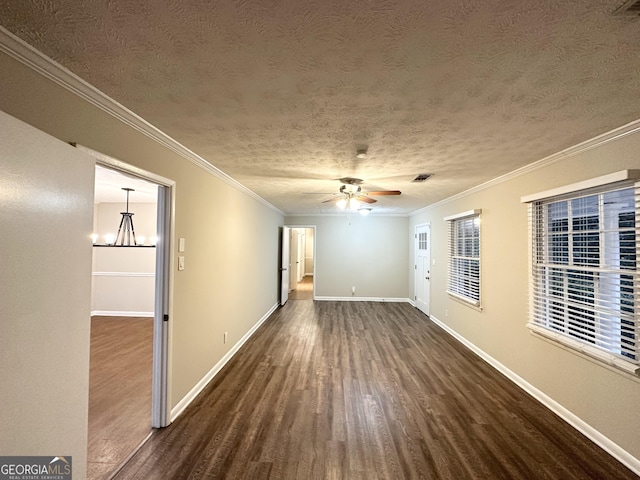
(387, 240)
(122, 310)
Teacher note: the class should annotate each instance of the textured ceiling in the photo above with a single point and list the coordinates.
(279, 94)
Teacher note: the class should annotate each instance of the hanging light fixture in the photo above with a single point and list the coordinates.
(126, 225)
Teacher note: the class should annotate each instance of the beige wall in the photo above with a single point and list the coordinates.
(230, 280)
(605, 399)
(370, 253)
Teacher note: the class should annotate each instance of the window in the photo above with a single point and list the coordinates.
(464, 256)
(583, 272)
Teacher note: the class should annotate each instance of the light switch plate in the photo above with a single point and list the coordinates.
(180, 263)
(181, 245)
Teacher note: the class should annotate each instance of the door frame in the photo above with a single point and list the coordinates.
(285, 255)
(160, 389)
(315, 257)
(417, 281)
(294, 245)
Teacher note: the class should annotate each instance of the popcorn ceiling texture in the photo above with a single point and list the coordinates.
(279, 94)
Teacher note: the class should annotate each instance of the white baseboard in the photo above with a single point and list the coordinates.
(362, 299)
(123, 274)
(189, 397)
(576, 422)
(114, 313)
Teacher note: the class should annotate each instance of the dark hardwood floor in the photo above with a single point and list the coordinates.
(359, 390)
(119, 391)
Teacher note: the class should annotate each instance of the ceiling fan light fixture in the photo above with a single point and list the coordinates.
(364, 211)
(354, 204)
(342, 203)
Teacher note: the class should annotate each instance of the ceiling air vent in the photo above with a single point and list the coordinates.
(629, 8)
(423, 176)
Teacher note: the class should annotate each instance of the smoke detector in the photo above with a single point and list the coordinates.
(361, 153)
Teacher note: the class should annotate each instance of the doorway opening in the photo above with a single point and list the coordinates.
(128, 388)
(298, 263)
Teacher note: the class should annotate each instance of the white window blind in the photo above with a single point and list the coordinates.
(464, 256)
(584, 276)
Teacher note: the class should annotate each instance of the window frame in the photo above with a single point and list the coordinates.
(466, 287)
(573, 269)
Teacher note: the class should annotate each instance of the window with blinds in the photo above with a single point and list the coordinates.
(584, 274)
(464, 256)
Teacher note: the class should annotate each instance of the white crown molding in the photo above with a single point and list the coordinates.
(354, 215)
(21, 51)
(615, 134)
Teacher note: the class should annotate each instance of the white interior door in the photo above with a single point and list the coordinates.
(284, 267)
(46, 216)
(300, 257)
(293, 260)
(423, 267)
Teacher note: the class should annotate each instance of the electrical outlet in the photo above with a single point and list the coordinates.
(353, 290)
(225, 337)
(446, 312)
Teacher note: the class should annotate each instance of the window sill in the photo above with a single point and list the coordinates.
(466, 301)
(599, 356)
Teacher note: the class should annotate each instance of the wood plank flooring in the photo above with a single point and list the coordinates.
(304, 290)
(359, 390)
(119, 391)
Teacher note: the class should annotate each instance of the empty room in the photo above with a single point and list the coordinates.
(392, 239)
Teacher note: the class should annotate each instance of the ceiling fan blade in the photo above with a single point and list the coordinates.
(385, 192)
(332, 200)
(365, 199)
(318, 193)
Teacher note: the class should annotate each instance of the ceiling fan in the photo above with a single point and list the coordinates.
(351, 195)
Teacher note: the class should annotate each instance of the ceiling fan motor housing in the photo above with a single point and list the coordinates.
(351, 181)
(350, 188)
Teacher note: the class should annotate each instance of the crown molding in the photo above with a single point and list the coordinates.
(24, 53)
(353, 214)
(615, 134)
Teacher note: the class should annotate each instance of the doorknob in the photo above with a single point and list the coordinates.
(426, 278)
